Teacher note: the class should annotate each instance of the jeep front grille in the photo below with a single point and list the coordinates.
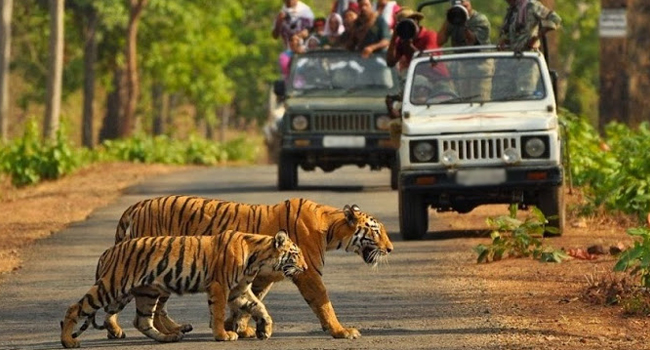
(480, 149)
(342, 122)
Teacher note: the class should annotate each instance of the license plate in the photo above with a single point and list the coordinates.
(344, 141)
(478, 177)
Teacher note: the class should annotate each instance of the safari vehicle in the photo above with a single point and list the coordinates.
(335, 114)
(479, 126)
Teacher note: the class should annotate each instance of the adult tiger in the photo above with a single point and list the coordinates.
(224, 266)
(314, 227)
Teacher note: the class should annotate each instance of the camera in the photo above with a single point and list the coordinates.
(457, 14)
(407, 29)
(291, 22)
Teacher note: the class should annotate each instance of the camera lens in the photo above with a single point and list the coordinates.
(406, 29)
(457, 15)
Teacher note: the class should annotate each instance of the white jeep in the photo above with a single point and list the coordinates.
(479, 126)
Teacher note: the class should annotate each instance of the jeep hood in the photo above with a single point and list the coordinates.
(488, 122)
(315, 103)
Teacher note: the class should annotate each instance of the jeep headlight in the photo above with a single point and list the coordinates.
(423, 151)
(535, 146)
(299, 122)
(381, 122)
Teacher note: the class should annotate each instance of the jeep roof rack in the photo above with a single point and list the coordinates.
(458, 49)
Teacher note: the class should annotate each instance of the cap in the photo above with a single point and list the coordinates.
(406, 12)
(354, 7)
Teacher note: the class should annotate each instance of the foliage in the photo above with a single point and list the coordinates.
(636, 260)
(28, 160)
(165, 150)
(617, 164)
(514, 238)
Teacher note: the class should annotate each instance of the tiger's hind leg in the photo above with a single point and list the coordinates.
(145, 303)
(86, 307)
(164, 323)
(114, 331)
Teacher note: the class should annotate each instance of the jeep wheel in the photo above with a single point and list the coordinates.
(287, 173)
(551, 203)
(413, 216)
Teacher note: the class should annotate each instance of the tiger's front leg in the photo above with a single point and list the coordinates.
(313, 291)
(217, 298)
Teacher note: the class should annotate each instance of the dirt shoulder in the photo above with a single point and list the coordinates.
(36, 212)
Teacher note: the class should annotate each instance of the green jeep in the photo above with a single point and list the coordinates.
(335, 114)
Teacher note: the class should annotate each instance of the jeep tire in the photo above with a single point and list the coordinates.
(413, 216)
(287, 172)
(551, 203)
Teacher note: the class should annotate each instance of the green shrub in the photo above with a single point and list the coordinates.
(514, 238)
(28, 160)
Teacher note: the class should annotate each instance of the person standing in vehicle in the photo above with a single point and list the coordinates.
(370, 32)
(401, 51)
(294, 18)
(475, 30)
(525, 23)
(469, 28)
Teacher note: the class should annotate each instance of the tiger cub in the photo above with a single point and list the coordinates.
(149, 268)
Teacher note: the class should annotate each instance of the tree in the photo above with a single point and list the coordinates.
(132, 81)
(639, 61)
(5, 55)
(55, 69)
(90, 57)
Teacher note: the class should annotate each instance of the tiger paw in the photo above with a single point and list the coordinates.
(70, 343)
(264, 330)
(115, 333)
(346, 333)
(246, 332)
(226, 336)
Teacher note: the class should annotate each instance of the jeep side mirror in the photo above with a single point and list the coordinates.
(279, 88)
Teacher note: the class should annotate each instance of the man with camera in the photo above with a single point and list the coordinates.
(408, 38)
(464, 25)
(468, 27)
(294, 18)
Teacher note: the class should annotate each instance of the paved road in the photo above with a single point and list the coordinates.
(424, 298)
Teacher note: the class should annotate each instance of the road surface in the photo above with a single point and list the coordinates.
(425, 297)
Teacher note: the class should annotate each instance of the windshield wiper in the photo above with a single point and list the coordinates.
(515, 97)
(458, 99)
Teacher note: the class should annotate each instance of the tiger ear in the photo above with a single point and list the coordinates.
(280, 238)
(350, 214)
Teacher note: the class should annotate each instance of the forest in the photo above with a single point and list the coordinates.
(203, 66)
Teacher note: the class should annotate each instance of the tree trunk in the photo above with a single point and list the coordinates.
(112, 119)
(5, 57)
(639, 61)
(55, 73)
(158, 100)
(613, 105)
(90, 57)
(223, 122)
(133, 84)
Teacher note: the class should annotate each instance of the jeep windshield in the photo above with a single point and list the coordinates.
(340, 73)
(476, 80)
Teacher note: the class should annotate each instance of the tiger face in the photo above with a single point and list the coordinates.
(370, 239)
(291, 260)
